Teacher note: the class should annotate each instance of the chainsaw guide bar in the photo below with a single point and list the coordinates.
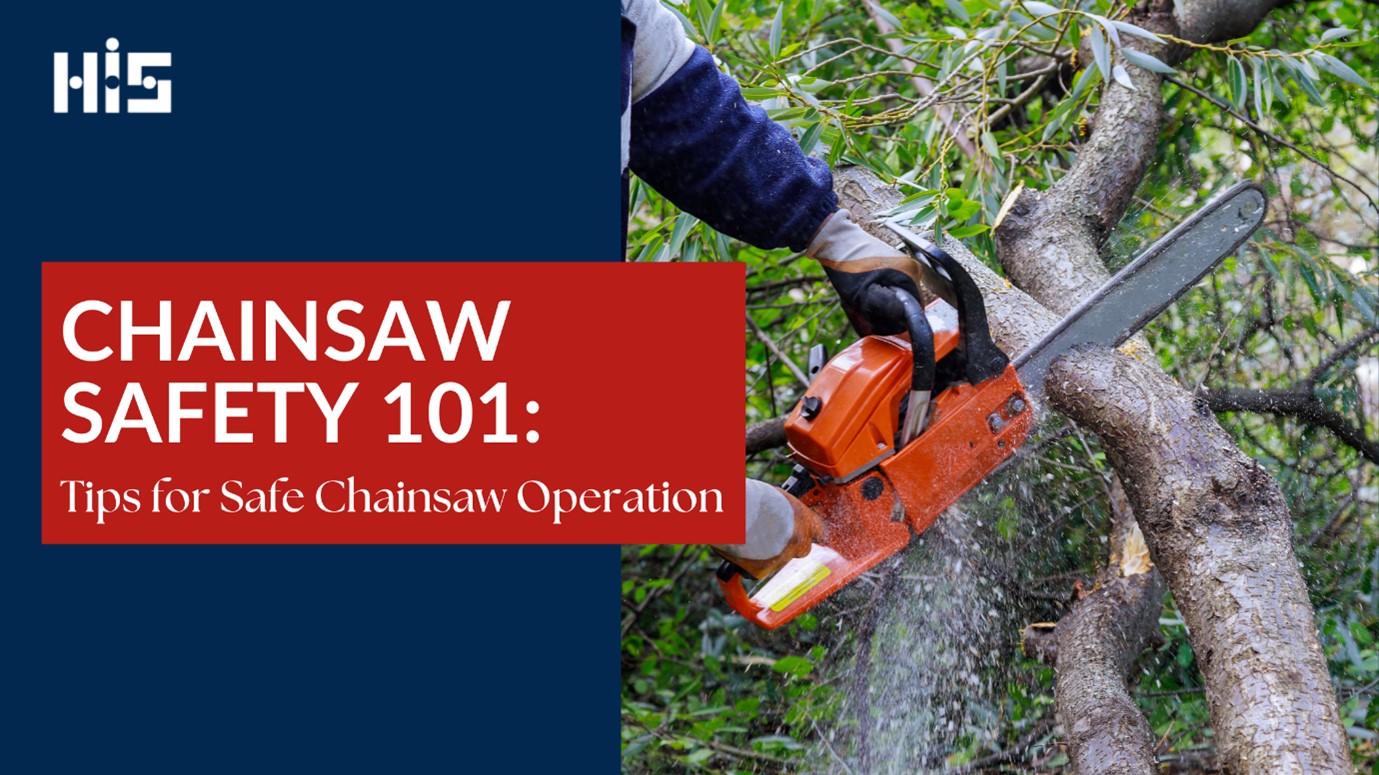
(1146, 286)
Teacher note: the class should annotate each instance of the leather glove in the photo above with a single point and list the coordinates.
(855, 262)
(779, 529)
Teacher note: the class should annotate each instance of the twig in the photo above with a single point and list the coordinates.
(1010, 755)
(829, 747)
(1340, 354)
(924, 86)
(1299, 402)
(742, 752)
(658, 591)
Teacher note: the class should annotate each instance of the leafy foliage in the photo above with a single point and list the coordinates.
(960, 102)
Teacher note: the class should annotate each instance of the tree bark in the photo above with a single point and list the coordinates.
(1219, 530)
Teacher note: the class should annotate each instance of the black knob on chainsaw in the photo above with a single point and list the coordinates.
(810, 407)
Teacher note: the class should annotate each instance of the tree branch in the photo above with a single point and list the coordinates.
(1094, 646)
(1219, 530)
(764, 435)
(1341, 353)
(1298, 402)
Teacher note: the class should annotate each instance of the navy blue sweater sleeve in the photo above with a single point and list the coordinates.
(697, 142)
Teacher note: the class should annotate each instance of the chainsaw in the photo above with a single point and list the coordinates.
(895, 429)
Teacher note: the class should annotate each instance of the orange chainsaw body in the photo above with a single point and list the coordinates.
(874, 499)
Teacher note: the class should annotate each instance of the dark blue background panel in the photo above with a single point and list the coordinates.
(388, 131)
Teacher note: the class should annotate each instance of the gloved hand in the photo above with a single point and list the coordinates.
(779, 529)
(855, 262)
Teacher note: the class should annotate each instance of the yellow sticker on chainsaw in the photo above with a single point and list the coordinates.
(807, 583)
(797, 577)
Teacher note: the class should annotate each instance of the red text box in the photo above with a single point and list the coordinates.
(606, 408)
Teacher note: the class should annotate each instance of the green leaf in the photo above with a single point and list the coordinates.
(963, 232)
(1236, 79)
(1257, 73)
(1139, 32)
(1364, 301)
(1083, 78)
(1310, 278)
(1051, 129)
(716, 18)
(1335, 33)
(776, 27)
(1101, 53)
(1122, 77)
(1038, 9)
(955, 8)
(1275, 88)
(638, 745)
(1307, 82)
(702, 11)
(788, 743)
(759, 93)
(1143, 60)
(1111, 33)
(835, 154)
(793, 665)
(989, 145)
(1306, 67)
(683, 224)
(1361, 633)
(699, 756)
(811, 138)
(809, 84)
(1339, 69)
(887, 15)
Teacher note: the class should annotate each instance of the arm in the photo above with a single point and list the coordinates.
(700, 144)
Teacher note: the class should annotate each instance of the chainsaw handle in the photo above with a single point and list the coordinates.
(901, 306)
(736, 595)
(921, 341)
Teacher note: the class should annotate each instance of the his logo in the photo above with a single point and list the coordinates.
(88, 82)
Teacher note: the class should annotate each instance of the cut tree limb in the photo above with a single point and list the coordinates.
(1093, 648)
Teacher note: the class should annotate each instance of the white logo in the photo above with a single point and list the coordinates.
(86, 83)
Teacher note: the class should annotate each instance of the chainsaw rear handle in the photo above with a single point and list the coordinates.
(901, 306)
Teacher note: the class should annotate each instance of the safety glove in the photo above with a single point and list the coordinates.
(857, 262)
(779, 529)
